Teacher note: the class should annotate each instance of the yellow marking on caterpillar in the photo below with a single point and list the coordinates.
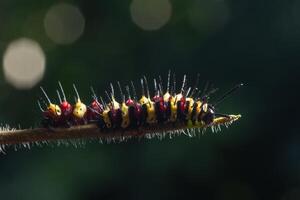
(173, 107)
(115, 105)
(151, 117)
(106, 118)
(54, 109)
(167, 97)
(125, 116)
(190, 108)
(79, 109)
(205, 107)
(178, 97)
(144, 100)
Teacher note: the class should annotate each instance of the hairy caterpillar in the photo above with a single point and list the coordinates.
(167, 112)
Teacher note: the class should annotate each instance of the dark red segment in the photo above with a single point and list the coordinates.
(130, 102)
(94, 110)
(66, 110)
(182, 104)
(66, 114)
(156, 98)
(181, 109)
(160, 109)
(115, 116)
(136, 113)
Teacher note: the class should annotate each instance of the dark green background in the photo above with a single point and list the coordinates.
(256, 158)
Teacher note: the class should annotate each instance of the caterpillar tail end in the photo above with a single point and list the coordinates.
(226, 120)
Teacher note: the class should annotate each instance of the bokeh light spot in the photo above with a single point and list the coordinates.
(64, 23)
(150, 14)
(24, 63)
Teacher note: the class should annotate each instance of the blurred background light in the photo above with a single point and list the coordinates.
(64, 23)
(24, 63)
(150, 14)
(208, 16)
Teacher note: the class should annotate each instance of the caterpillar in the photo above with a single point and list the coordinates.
(168, 111)
(188, 106)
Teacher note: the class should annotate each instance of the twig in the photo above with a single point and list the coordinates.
(13, 137)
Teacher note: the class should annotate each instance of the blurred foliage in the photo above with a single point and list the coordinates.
(256, 158)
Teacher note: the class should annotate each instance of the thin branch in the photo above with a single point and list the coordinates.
(12, 137)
